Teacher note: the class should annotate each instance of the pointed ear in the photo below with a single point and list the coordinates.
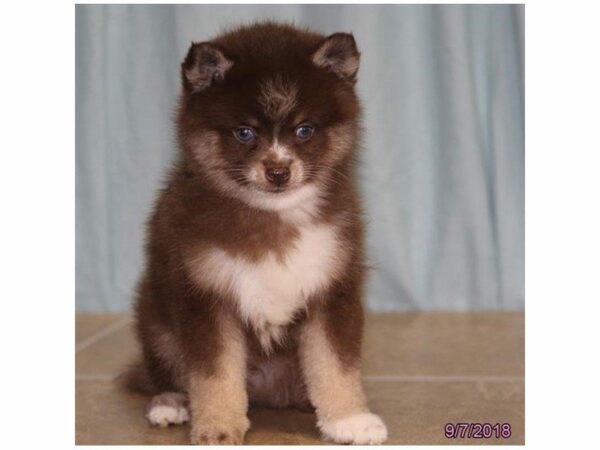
(338, 53)
(203, 66)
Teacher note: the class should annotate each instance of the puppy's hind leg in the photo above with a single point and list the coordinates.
(276, 382)
(168, 408)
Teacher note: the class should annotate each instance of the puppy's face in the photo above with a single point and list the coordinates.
(268, 123)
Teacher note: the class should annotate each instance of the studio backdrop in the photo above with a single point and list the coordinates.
(442, 172)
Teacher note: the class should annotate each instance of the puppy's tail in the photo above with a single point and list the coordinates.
(136, 379)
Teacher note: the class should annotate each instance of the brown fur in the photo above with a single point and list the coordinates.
(271, 77)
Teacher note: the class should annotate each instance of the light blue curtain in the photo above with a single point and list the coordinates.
(443, 159)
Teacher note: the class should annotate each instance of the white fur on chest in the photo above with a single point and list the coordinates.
(271, 291)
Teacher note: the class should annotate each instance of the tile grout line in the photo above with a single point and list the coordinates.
(97, 377)
(443, 378)
(102, 334)
(381, 378)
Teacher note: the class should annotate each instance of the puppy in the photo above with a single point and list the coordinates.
(255, 266)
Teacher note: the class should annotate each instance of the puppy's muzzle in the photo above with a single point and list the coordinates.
(278, 175)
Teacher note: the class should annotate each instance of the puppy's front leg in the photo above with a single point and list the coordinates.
(217, 392)
(330, 357)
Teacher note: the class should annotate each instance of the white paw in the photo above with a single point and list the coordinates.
(359, 429)
(164, 415)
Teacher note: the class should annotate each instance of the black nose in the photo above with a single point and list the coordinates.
(278, 175)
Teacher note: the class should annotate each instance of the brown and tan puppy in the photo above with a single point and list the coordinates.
(253, 284)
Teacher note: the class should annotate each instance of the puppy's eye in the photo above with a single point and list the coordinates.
(244, 134)
(304, 132)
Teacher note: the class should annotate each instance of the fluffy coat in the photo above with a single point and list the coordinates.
(255, 264)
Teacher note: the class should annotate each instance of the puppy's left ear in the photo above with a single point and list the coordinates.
(338, 54)
(204, 65)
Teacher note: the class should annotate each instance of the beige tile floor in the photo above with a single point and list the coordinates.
(421, 370)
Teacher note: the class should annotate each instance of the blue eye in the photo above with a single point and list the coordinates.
(244, 134)
(304, 132)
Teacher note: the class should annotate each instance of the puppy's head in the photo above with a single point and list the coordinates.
(268, 111)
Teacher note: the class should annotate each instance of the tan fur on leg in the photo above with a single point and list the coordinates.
(218, 401)
(336, 391)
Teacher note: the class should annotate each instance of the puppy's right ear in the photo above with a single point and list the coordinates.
(204, 65)
(338, 54)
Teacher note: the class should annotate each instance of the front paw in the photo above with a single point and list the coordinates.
(359, 429)
(216, 431)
